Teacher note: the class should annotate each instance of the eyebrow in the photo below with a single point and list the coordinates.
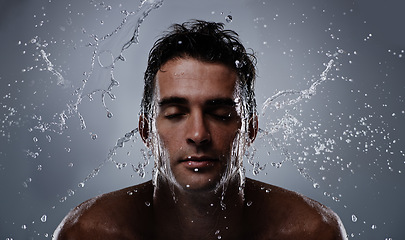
(172, 100)
(221, 102)
(182, 101)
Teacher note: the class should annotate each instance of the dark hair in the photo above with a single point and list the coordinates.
(207, 42)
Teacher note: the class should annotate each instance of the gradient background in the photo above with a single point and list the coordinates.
(348, 137)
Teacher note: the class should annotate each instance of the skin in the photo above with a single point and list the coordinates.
(197, 120)
(197, 125)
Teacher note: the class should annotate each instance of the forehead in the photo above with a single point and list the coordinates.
(191, 78)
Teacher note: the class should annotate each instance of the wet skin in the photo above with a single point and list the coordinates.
(268, 212)
(197, 122)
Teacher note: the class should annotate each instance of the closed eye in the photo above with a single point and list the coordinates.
(174, 116)
(223, 114)
(174, 112)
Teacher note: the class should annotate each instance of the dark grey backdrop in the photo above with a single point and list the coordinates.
(348, 137)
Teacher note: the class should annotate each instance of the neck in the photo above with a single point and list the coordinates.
(198, 214)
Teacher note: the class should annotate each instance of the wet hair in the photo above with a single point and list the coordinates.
(206, 42)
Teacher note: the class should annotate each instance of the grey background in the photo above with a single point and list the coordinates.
(357, 114)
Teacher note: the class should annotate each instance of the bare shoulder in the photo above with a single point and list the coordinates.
(284, 214)
(123, 214)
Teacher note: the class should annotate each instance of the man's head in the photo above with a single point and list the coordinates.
(197, 75)
(207, 42)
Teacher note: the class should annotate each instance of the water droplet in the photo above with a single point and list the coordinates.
(70, 165)
(195, 169)
(373, 226)
(43, 218)
(24, 226)
(249, 203)
(94, 136)
(354, 218)
(228, 19)
(316, 185)
(147, 203)
(70, 192)
(35, 139)
(81, 184)
(238, 64)
(109, 114)
(120, 165)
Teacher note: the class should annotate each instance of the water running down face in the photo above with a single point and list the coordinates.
(197, 123)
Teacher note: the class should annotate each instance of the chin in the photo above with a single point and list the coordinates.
(204, 184)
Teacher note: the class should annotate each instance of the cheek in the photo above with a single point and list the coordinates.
(163, 131)
(170, 141)
(225, 138)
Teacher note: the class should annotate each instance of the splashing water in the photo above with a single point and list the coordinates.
(304, 94)
(305, 145)
(287, 123)
(102, 47)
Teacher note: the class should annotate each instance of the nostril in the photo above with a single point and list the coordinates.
(198, 140)
(204, 141)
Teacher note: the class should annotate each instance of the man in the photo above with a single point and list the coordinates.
(198, 118)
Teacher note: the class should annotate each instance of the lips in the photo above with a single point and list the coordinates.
(198, 162)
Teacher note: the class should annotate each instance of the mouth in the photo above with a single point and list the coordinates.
(198, 162)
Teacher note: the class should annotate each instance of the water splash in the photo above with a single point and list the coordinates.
(110, 157)
(105, 55)
(50, 67)
(300, 95)
(287, 124)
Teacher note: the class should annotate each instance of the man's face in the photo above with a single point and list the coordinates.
(197, 120)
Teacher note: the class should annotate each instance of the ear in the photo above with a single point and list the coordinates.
(253, 127)
(143, 127)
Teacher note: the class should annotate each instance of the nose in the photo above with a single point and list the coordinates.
(197, 130)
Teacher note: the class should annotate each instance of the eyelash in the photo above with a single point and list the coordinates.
(223, 117)
(173, 116)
